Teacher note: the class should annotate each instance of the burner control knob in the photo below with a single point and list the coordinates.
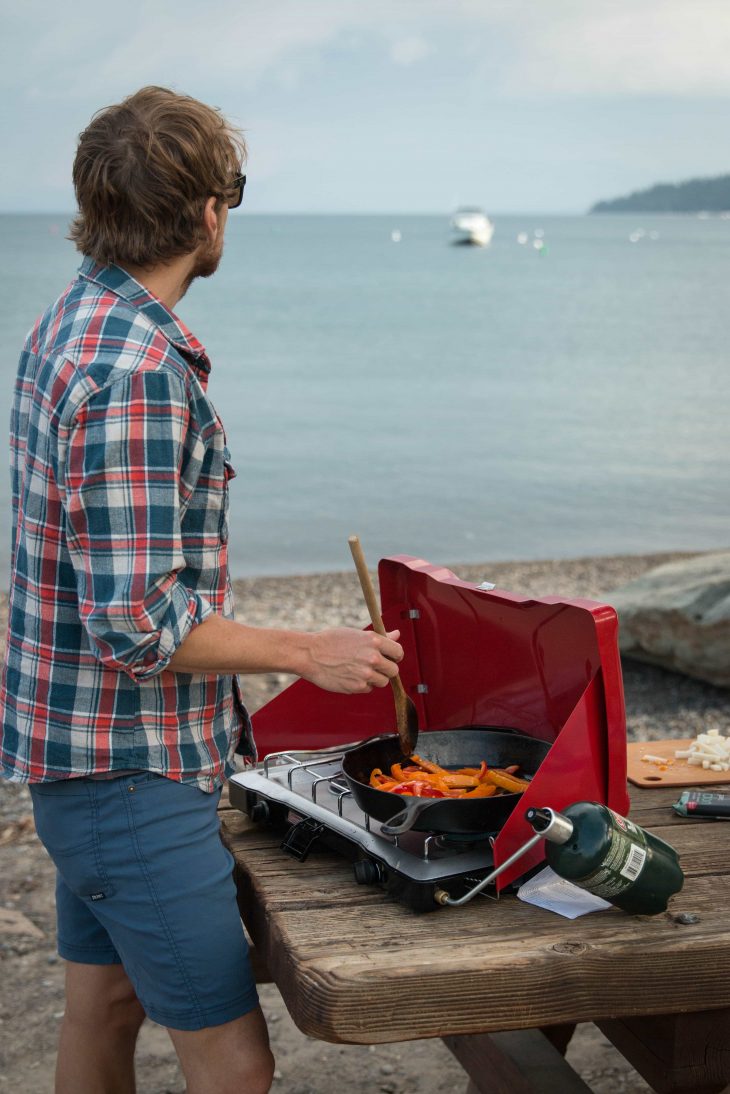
(260, 812)
(366, 872)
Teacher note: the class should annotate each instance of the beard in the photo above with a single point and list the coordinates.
(207, 261)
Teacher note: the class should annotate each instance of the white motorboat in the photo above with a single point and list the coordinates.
(471, 226)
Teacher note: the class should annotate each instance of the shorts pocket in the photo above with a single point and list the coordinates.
(64, 822)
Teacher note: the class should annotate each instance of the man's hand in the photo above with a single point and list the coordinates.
(347, 660)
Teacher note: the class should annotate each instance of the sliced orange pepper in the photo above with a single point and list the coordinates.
(460, 782)
(433, 781)
(477, 772)
(401, 775)
(482, 790)
(433, 769)
(507, 782)
(379, 781)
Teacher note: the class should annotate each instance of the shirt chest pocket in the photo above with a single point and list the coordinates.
(204, 520)
(229, 472)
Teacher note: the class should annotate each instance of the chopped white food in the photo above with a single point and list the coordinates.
(709, 750)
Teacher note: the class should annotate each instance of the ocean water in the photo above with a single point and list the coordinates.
(453, 403)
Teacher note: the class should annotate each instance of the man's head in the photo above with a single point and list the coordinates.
(147, 174)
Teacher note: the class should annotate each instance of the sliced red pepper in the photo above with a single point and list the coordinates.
(418, 790)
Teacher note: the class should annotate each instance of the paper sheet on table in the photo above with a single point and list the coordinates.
(548, 890)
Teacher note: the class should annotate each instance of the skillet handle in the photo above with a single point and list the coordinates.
(404, 821)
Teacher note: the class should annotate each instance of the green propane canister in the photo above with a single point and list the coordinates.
(609, 856)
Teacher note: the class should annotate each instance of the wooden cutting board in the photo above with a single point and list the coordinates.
(680, 773)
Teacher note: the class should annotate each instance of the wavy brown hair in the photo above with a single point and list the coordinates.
(143, 172)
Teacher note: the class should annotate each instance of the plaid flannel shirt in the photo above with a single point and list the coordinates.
(120, 474)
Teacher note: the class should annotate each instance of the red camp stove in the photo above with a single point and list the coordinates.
(304, 795)
(474, 656)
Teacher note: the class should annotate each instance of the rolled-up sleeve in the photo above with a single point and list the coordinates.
(122, 496)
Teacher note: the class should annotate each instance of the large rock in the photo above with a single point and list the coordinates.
(678, 616)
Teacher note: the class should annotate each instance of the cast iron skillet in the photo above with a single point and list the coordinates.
(500, 746)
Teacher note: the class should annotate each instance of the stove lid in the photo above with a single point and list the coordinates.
(474, 655)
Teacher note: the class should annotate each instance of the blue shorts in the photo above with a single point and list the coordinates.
(144, 880)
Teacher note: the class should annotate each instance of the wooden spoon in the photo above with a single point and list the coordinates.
(405, 710)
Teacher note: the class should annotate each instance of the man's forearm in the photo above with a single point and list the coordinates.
(339, 659)
(223, 646)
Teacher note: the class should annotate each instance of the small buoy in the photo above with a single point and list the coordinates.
(538, 244)
(522, 238)
(539, 233)
(396, 236)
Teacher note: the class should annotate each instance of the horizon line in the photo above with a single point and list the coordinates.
(341, 212)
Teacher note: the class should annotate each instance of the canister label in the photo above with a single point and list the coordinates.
(626, 857)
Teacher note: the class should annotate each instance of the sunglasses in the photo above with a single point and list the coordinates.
(238, 186)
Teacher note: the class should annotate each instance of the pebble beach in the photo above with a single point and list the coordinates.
(659, 704)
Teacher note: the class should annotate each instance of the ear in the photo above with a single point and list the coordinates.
(211, 222)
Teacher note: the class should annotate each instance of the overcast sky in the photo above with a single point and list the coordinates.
(370, 106)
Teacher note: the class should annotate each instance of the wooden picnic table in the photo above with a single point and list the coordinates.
(502, 982)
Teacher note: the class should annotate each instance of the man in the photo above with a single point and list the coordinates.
(119, 702)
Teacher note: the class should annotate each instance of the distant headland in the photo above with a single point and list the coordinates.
(694, 196)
